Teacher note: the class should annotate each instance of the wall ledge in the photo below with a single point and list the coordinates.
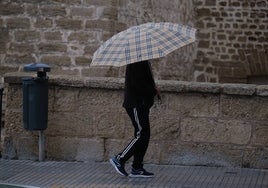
(164, 85)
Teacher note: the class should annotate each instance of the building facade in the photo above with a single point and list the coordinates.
(231, 46)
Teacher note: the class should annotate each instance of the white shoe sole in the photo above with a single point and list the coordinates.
(140, 176)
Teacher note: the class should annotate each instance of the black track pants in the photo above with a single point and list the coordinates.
(139, 144)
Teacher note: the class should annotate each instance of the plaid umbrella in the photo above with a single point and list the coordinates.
(143, 42)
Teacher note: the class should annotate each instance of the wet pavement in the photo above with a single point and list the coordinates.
(19, 173)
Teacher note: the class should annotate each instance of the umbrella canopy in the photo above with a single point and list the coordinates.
(143, 42)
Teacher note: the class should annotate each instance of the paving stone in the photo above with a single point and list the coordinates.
(79, 174)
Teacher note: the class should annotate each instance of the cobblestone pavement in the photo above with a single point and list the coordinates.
(79, 174)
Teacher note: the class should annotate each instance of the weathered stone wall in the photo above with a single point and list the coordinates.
(233, 40)
(61, 33)
(232, 36)
(65, 34)
(179, 64)
(196, 123)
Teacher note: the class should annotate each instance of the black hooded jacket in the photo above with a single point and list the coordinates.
(139, 85)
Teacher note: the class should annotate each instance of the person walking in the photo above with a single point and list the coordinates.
(140, 90)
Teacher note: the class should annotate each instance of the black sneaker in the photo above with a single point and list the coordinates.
(119, 167)
(140, 173)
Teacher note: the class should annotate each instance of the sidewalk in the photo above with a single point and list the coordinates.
(78, 174)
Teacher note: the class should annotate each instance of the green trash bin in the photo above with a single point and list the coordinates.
(35, 97)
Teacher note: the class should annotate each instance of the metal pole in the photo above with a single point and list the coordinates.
(41, 146)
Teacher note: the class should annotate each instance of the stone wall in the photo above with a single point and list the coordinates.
(233, 40)
(65, 34)
(179, 65)
(195, 124)
(232, 36)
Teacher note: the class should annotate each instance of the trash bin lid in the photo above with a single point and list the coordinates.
(38, 67)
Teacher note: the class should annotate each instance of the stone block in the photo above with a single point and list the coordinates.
(171, 85)
(52, 47)
(202, 87)
(70, 149)
(43, 22)
(82, 61)
(27, 36)
(21, 48)
(104, 101)
(68, 24)
(90, 150)
(232, 80)
(153, 153)
(17, 60)
(203, 44)
(4, 35)
(82, 37)
(256, 157)
(52, 11)
(5, 69)
(106, 25)
(64, 81)
(115, 84)
(27, 148)
(14, 98)
(70, 125)
(8, 149)
(203, 12)
(215, 131)
(165, 125)
(18, 143)
(68, 2)
(225, 72)
(101, 2)
(53, 36)
(89, 12)
(75, 50)
(89, 50)
(262, 90)
(3, 47)
(239, 72)
(109, 125)
(239, 89)
(11, 9)
(100, 72)
(210, 3)
(66, 118)
(63, 72)
(194, 104)
(56, 61)
(244, 107)
(181, 153)
(260, 133)
(18, 23)
(31, 9)
(110, 13)
(204, 35)
(64, 100)
(14, 123)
